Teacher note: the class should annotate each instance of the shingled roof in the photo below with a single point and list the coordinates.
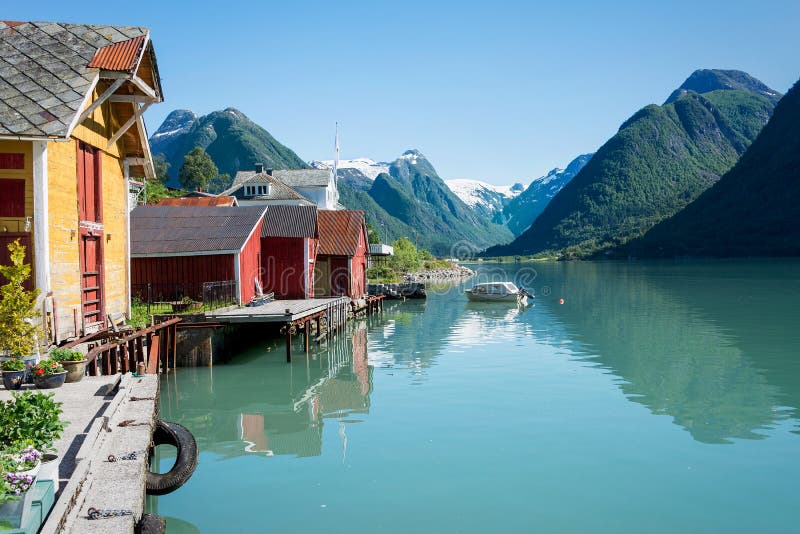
(48, 70)
(303, 177)
(190, 230)
(339, 231)
(290, 221)
(278, 191)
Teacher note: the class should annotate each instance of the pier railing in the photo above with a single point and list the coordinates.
(185, 297)
(152, 347)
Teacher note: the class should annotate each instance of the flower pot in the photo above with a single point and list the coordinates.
(14, 514)
(50, 381)
(13, 379)
(49, 469)
(30, 361)
(75, 370)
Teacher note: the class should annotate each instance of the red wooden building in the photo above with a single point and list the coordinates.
(341, 267)
(179, 248)
(289, 250)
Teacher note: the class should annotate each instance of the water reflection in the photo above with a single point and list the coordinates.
(259, 405)
(709, 344)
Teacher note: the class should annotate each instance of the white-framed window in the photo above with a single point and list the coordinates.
(249, 190)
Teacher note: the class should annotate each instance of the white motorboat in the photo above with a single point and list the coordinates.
(498, 292)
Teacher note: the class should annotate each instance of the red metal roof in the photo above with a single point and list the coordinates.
(120, 56)
(290, 221)
(198, 201)
(339, 231)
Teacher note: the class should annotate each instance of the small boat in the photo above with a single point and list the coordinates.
(498, 292)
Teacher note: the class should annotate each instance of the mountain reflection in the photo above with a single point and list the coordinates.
(706, 343)
(257, 404)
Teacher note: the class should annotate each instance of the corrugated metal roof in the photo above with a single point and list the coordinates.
(290, 221)
(185, 230)
(208, 202)
(44, 75)
(118, 56)
(303, 177)
(339, 231)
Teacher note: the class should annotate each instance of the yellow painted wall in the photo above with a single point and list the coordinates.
(65, 279)
(64, 235)
(114, 222)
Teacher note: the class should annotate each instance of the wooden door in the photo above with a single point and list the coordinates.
(90, 214)
(92, 282)
(322, 277)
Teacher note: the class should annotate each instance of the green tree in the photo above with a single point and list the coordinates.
(406, 258)
(197, 170)
(373, 235)
(16, 305)
(162, 168)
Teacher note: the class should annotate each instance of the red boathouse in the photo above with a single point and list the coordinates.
(341, 267)
(179, 248)
(289, 250)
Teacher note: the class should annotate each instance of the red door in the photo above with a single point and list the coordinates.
(90, 209)
(5, 256)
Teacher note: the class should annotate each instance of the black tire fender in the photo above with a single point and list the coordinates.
(167, 433)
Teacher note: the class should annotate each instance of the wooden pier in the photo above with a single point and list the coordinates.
(328, 315)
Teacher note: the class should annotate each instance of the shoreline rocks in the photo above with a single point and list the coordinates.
(455, 272)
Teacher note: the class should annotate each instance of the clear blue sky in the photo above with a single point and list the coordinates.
(498, 91)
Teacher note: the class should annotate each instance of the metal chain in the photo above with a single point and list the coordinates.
(130, 456)
(94, 513)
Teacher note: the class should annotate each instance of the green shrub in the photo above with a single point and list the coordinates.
(30, 418)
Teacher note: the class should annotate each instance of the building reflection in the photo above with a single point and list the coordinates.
(259, 405)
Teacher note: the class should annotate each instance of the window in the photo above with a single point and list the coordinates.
(249, 190)
(12, 198)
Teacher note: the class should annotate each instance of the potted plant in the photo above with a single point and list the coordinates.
(73, 362)
(49, 374)
(33, 419)
(15, 494)
(17, 308)
(13, 373)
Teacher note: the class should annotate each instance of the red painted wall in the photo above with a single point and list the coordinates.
(188, 272)
(358, 287)
(250, 266)
(284, 267)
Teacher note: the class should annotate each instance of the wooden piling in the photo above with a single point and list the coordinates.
(288, 342)
(307, 334)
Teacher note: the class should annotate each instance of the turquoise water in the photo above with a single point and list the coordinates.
(658, 397)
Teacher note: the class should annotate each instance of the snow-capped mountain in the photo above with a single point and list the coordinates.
(369, 168)
(520, 212)
(487, 199)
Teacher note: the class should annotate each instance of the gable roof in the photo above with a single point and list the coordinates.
(278, 191)
(205, 201)
(48, 70)
(340, 231)
(303, 177)
(290, 221)
(190, 230)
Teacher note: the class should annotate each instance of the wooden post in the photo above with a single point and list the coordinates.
(109, 362)
(319, 328)
(288, 342)
(164, 340)
(140, 351)
(132, 355)
(123, 356)
(307, 334)
(174, 346)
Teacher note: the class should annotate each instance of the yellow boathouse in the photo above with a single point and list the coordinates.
(72, 136)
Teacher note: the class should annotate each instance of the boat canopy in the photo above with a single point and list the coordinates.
(496, 288)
